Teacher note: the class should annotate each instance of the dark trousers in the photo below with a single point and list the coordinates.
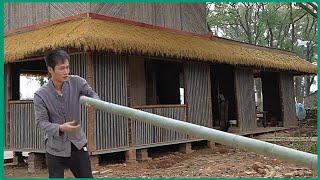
(78, 163)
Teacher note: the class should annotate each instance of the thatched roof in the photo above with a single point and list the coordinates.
(94, 34)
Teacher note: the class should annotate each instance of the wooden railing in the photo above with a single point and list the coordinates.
(144, 134)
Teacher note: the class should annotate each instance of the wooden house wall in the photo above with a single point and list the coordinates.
(193, 18)
(271, 97)
(7, 95)
(287, 99)
(110, 82)
(198, 93)
(147, 135)
(189, 17)
(24, 135)
(137, 81)
(24, 14)
(78, 66)
(245, 99)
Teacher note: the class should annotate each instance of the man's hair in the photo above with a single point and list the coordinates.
(54, 57)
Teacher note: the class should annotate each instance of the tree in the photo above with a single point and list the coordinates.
(277, 25)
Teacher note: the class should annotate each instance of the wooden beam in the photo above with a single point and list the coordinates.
(8, 135)
(91, 112)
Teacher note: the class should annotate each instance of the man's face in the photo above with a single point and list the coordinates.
(61, 71)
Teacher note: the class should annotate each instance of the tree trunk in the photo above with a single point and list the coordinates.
(308, 83)
(258, 89)
(298, 89)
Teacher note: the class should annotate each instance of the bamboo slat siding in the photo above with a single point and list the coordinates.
(287, 97)
(61, 10)
(244, 83)
(192, 18)
(110, 82)
(137, 79)
(110, 9)
(25, 135)
(183, 16)
(6, 18)
(78, 67)
(24, 14)
(198, 93)
(144, 134)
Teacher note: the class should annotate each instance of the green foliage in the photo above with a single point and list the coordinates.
(277, 25)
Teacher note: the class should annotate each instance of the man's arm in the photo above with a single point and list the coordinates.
(42, 117)
(86, 90)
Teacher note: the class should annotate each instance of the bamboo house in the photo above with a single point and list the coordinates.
(156, 57)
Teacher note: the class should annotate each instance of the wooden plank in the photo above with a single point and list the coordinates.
(245, 99)
(7, 98)
(289, 139)
(288, 113)
(91, 113)
(198, 89)
(137, 81)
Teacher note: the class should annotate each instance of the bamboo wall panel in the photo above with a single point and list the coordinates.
(25, 14)
(110, 82)
(137, 81)
(287, 99)
(144, 134)
(143, 12)
(61, 10)
(6, 18)
(198, 93)
(25, 135)
(78, 67)
(193, 17)
(244, 83)
(119, 10)
(190, 17)
(7, 94)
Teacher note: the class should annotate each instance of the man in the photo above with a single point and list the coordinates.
(57, 113)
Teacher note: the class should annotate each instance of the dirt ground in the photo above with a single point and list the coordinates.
(221, 161)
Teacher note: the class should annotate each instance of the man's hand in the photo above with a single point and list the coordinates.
(87, 105)
(69, 127)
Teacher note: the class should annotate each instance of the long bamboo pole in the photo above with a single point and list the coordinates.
(280, 152)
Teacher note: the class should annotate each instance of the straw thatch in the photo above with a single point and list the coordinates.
(93, 34)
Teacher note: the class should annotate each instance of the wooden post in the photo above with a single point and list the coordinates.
(91, 113)
(7, 113)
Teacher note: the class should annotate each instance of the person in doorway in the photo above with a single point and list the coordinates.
(57, 113)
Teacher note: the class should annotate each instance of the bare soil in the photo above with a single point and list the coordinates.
(221, 161)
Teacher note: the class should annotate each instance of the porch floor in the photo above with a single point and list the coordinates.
(260, 130)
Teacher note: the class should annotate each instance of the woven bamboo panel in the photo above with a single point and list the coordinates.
(61, 10)
(287, 97)
(190, 17)
(198, 93)
(245, 99)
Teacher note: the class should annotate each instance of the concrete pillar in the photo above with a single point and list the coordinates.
(185, 148)
(94, 160)
(142, 155)
(211, 145)
(35, 162)
(131, 155)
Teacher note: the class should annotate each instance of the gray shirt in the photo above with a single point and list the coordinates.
(52, 109)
